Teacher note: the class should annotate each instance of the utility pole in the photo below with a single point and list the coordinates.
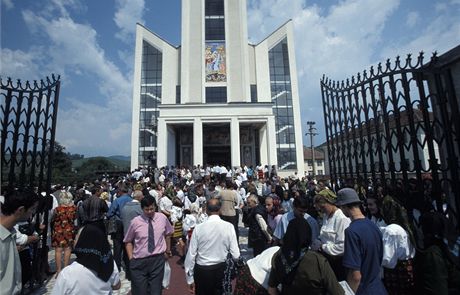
(311, 132)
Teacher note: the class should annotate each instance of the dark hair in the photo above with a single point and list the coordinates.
(302, 202)
(213, 205)
(228, 184)
(148, 201)
(123, 188)
(18, 198)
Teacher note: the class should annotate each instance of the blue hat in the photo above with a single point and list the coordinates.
(347, 196)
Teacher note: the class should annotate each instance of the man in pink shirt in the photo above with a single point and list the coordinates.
(148, 245)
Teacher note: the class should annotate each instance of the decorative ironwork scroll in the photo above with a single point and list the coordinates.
(28, 115)
(398, 126)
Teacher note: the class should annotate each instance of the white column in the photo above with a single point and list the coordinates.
(197, 142)
(271, 134)
(162, 143)
(263, 145)
(235, 142)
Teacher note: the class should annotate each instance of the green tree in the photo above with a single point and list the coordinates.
(61, 165)
(93, 167)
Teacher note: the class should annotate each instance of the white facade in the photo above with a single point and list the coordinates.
(216, 99)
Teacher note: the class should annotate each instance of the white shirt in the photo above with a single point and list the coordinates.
(176, 213)
(188, 203)
(77, 279)
(180, 194)
(216, 170)
(165, 204)
(137, 174)
(242, 193)
(332, 233)
(261, 266)
(244, 176)
(396, 245)
(223, 170)
(211, 241)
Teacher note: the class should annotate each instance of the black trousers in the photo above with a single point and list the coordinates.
(147, 275)
(209, 279)
(26, 265)
(336, 264)
(258, 247)
(119, 251)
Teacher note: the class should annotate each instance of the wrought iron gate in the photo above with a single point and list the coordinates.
(28, 121)
(397, 125)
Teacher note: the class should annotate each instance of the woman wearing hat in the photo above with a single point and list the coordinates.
(332, 234)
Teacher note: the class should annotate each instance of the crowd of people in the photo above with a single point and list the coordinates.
(306, 236)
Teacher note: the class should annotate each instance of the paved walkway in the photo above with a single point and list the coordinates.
(178, 285)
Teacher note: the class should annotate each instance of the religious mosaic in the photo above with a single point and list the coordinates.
(215, 62)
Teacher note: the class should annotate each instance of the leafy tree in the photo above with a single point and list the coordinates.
(89, 170)
(61, 165)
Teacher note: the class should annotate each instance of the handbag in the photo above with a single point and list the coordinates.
(166, 276)
(111, 225)
(232, 267)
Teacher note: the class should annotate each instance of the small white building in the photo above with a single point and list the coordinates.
(216, 99)
(319, 161)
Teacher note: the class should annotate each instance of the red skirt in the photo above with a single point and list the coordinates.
(400, 280)
(246, 285)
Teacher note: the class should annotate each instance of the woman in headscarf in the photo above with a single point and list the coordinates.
(398, 248)
(299, 270)
(94, 271)
(332, 234)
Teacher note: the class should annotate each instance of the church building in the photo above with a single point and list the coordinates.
(216, 98)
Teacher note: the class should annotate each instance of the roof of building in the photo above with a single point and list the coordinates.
(392, 123)
(319, 154)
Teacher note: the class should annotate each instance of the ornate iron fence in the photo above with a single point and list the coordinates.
(28, 121)
(397, 125)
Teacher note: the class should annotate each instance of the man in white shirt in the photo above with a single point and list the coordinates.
(210, 243)
(18, 205)
(223, 173)
(180, 193)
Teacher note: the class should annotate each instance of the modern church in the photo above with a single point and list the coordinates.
(216, 99)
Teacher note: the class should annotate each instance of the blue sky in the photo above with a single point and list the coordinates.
(91, 45)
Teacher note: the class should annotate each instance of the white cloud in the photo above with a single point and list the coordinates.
(8, 4)
(338, 42)
(129, 12)
(94, 130)
(347, 38)
(18, 64)
(93, 125)
(75, 46)
(440, 35)
(412, 19)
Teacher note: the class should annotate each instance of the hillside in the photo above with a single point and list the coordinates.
(121, 162)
